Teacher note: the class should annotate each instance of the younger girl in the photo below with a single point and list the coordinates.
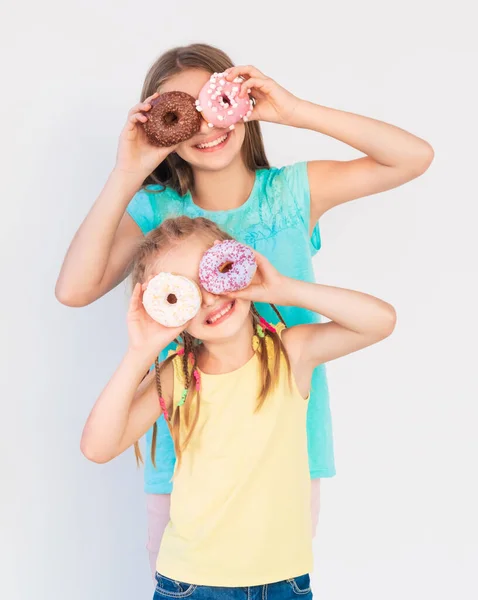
(236, 404)
(275, 211)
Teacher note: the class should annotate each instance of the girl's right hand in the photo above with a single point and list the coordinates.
(146, 336)
(135, 154)
(268, 285)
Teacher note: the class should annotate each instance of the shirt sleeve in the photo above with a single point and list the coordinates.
(142, 210)
(297, 180)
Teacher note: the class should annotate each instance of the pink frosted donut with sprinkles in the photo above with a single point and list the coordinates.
(227, 267)
(220, 104)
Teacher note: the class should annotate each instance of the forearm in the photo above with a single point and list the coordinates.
(87, 258)
(106, 425)
(353, 310)
(385, 143)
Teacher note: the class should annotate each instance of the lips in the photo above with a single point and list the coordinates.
(221, 314)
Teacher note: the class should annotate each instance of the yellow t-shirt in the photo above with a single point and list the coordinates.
(240, 506)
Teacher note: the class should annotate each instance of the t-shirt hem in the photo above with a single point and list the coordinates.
(198, 579)
(322, 473)
(158, 488)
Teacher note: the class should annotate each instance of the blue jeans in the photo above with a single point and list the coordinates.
(291, 589)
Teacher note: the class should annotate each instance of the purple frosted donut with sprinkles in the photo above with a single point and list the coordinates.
(227, 267)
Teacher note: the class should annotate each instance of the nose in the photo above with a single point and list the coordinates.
(208, 299)
(204, 128)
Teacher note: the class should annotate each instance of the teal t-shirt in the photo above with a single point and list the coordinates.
(274, 221)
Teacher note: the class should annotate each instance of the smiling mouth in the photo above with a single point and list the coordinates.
(220, 315)
(217, 142)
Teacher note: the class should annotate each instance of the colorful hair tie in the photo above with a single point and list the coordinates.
(162, 404)
(180, 350)
(260, 331)
(267, 325)
(197, 377)
(183, 397)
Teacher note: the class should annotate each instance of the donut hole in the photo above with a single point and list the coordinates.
(225, 100)
(226, 267)
(170, 118)
(171, 299)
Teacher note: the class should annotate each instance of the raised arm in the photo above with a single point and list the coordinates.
(129, 404)
(392, 156)
(101, 251)
(357, 320)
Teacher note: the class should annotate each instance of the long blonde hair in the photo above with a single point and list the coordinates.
(169, 233)
(174, 172)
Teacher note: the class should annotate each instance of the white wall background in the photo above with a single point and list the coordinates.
(399, 520)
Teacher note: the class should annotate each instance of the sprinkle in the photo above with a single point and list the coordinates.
(210, 125)
(213, 86)
(198, 108)
(235, 89)
(209, 91)
(249, 113)
(183, 397)
(164, 409)
(245, 119)
(230, 112)
(222, 82)
(220, 117)
(231, 127)
(238, 80)
(249, 91)
(196, 102)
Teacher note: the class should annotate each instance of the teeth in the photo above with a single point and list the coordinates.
(221, 314)
(213, 143)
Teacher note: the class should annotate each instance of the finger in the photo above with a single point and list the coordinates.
(138, 118)
(243, 71)
(141, 106)
(255, 83)
(259, 258)
(240, 294)
(149, 98)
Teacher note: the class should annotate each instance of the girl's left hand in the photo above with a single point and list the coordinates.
(268, 285)
(273, 102)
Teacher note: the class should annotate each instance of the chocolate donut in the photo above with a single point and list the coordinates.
(172, 119)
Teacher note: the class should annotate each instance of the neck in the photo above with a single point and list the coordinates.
(225, 189)
(229, 354)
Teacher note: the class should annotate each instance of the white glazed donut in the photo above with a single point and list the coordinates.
(171, 300)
